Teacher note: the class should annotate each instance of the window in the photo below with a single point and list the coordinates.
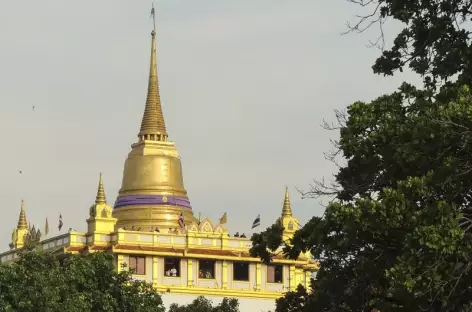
(206, 269)
(172, 267)
(274, 273)
(241, 271)
(137, 265)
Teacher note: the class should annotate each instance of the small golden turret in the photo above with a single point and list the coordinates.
(100, 199)
(287, 221)
(152, 193)
(19, 234)
(101, 219)
(287, 209)
(22, 224)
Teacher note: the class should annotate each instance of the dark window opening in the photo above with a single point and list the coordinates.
(137, 265)
(206, 269)
(241, 271)
(172, 267)
(274, 273)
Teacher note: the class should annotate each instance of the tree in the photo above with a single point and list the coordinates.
(397, 236)
(45, 282)
(435, 41)
(201, 304)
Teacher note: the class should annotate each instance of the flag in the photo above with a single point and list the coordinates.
(46, 227)
(181, 220)
(224, 219)
(60, 222)
(256, 222)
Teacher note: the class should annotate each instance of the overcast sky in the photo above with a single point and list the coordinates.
(245, 86)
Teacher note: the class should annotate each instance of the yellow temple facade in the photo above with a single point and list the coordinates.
(152, 231)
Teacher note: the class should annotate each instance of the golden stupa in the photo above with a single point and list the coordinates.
(152, 193)
(151, 229)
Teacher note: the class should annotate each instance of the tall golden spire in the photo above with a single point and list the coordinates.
(22, 220)
(152, 193)
(287, 209)
(153, 126)
(100, 199)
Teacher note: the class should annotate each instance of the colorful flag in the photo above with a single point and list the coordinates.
(181, 220)
(60, 222)
(46, 227)
(224, 219)
(256, 222)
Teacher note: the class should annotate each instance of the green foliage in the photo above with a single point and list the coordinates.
(296, 301)
(407, 134)
(435, 41)
(201, 304)
(398, 236)
(270, 239)
(42, 282)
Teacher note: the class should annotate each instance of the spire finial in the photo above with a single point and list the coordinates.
(101, 199)
(153, 126)
(22, 220)
(153, 15)
(287, 209)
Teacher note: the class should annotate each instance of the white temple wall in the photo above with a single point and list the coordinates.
(245, 304)
(217, 282)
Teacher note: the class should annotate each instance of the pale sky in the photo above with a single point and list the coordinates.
(245, 86)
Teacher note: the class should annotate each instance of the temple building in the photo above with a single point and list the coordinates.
(152, 231)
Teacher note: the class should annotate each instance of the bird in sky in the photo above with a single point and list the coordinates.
(33, 107)
(20, 171)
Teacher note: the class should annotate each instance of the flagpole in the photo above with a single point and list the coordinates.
(46, 228)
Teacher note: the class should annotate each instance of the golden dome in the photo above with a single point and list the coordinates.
(152, 193)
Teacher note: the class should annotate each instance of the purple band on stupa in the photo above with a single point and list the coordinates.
(152, 200)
